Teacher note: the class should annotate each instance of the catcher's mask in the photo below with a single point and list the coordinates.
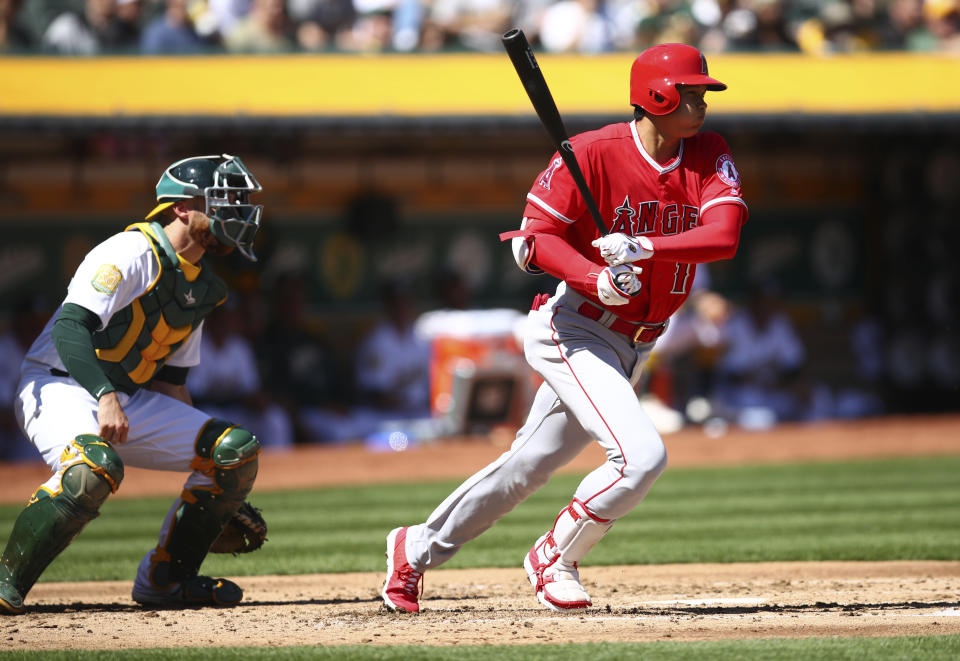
(225, 183)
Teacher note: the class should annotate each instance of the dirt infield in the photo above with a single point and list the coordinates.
(477, 607)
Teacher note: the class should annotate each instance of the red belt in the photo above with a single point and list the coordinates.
(636, 331)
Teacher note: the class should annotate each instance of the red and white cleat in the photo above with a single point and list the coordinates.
(401, 590)
(557, 586)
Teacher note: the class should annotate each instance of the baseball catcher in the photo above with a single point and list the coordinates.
(103, 387)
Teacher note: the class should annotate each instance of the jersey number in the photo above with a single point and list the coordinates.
(681, 279)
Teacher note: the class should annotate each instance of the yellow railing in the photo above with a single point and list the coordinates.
(456, 85)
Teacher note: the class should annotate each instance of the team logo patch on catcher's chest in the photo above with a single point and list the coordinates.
(107, 279)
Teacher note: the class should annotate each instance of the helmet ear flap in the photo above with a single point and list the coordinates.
(662, 102)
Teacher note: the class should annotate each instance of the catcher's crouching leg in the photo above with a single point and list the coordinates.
(90, 470)
(168, 575)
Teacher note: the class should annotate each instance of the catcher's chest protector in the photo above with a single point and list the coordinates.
(140, 337)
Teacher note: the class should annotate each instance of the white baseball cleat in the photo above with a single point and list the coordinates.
(557, 586)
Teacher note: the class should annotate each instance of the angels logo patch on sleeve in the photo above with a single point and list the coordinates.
(547, 175)
(727, 171)
(107, 279)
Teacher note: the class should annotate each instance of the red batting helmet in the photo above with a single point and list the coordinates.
(658, 70)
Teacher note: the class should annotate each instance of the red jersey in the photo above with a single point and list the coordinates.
(639, 197)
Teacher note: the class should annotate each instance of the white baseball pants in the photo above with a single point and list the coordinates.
(53, 410)
(588, 394)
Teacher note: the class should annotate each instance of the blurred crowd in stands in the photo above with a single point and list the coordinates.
(91, 27)
(267, 364)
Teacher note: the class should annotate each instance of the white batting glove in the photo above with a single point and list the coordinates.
(616, 284)
(620, 248)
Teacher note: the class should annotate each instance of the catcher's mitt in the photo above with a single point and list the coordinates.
(245, 532)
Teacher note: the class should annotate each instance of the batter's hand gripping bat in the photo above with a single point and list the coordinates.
(515, 42)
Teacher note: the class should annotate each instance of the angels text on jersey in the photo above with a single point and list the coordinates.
(648, 217)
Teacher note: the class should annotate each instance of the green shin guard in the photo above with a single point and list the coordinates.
(91, 470)
(229, 455)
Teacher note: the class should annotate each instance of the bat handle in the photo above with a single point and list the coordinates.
(512, 35)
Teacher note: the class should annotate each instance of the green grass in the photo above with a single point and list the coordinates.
(871, 510)
(926, 648)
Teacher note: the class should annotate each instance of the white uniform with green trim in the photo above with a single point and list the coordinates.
(52, 410)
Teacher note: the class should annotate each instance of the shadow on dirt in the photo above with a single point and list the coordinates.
(81, 607)
(818, 607)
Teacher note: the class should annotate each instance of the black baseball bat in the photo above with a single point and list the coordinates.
(515, 42)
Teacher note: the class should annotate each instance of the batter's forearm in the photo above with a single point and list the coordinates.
(717, 238)
(72, 336)
(558, 258)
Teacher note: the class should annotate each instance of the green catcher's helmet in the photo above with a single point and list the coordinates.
(226, 184)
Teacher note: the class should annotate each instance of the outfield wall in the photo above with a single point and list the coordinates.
(456, 84)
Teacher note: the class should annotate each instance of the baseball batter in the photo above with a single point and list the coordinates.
(103, 387)
(672, 199)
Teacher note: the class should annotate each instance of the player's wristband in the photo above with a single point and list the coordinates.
(72, 336)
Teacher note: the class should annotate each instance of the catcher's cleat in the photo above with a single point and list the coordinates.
(557, 585)
(191, 592)
(11, 601)
(402, 587)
